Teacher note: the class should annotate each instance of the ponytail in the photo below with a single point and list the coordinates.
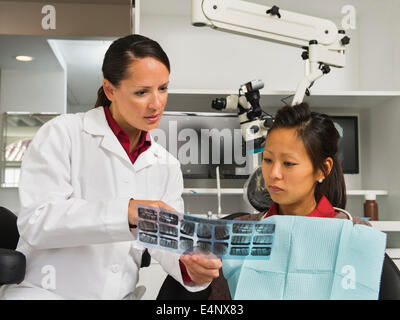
(102, 99)
(333, 187)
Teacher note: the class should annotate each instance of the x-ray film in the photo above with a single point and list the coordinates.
(182, 233)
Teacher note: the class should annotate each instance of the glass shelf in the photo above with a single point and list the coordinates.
(18, 129)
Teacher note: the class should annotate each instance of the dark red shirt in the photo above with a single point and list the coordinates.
(143, 145)
(324, 209)
(123, 138)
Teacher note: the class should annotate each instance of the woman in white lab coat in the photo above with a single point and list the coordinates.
(82, 178)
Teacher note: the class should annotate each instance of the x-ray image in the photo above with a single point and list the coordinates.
(168, 230)
(204, 230)
(239, 251)
(147, 226)
(180, 233)
(186, 243)
(242, 228)
(220, 248)
(169, 218)
(148, 214)
(263, 251)
(147, 238)
(187, 228)
(262, 240)
(204, 245)
(169, 243)
(241, 240)
(222, 232)
(265, 228)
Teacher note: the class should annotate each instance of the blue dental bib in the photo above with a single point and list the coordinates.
(312, 258)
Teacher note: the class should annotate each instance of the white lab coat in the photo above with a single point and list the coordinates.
(75, 186)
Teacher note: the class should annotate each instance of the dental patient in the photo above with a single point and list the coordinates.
(301, 172)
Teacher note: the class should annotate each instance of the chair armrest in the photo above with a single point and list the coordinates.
(390, 280)
(12, 266)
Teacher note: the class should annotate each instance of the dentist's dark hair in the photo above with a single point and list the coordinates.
(119, 56)
(320, 139)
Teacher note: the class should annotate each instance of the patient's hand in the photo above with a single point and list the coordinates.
(201, 269)
(356, 220)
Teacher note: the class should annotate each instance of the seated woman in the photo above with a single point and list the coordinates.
(301, 172)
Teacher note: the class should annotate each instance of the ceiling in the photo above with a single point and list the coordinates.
(35, 46)
(83, 60)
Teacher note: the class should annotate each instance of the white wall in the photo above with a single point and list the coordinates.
(396, 53)
(32, 91)
(9, 199)
(202, 58)
(380, 46)
(384, 156)
(29, 91)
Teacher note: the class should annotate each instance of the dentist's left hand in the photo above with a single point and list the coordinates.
(132, 208)
(201, 269)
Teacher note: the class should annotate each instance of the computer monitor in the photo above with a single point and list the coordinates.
(348, 154)
(201, 141)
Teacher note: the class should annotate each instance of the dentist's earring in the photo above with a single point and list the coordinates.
(320, 180)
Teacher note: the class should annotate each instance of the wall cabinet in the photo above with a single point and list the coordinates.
(18, 131)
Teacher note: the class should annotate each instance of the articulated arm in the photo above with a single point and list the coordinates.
(324, 44)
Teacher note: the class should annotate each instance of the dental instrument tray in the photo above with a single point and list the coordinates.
(182, 233)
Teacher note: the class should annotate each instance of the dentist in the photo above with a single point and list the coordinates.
(82, 178)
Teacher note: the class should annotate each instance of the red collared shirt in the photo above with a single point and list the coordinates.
(143, 145)
(123, 138)
(324, 209)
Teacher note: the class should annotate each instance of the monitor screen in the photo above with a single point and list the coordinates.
(347, 126)
(201, 141)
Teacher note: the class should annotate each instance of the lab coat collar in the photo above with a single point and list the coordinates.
(95, 123)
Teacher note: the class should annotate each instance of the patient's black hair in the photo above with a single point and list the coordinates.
(119, 56)
(320, 139)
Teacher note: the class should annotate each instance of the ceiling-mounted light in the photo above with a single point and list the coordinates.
(24, 58)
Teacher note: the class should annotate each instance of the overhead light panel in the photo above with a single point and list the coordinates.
(24, 58)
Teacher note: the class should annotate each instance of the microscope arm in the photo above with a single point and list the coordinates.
(304, 84)
(325, 45)
(251, 19)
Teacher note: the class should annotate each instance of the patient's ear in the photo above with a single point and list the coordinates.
(328, 164)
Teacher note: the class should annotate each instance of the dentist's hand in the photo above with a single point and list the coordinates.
(201, 268)
(132, 208)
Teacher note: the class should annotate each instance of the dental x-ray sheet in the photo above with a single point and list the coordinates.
(182, 233)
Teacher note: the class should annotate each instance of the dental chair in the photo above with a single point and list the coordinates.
(12, 262)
